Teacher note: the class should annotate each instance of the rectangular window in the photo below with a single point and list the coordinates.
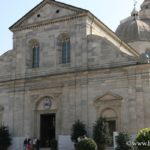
(35, 57)
(65, 52)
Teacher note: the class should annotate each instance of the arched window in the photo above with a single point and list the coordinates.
(64, 48)
(35, 53)
(35, 56)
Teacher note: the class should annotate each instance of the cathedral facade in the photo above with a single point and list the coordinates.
(66, 65)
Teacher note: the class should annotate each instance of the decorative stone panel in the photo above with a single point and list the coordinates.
(109, 106)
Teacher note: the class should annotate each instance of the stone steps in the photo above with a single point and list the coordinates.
(109, 148)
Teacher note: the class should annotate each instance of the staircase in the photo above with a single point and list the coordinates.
(107, 148)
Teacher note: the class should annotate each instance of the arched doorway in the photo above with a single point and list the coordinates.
(111, 117)
(47, 129)
(45, 120)
(109, 107)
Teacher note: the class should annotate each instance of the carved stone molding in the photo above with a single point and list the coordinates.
(109, 106)
(47, 22)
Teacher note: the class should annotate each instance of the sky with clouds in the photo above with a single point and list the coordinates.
(109, 12)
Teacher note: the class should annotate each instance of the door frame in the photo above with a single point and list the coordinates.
(53, 115)
(37, 124)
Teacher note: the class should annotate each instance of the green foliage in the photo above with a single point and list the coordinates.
(5, 138)
(87, 144)
(143, 139)
(122, 140)
(101, 133)
(78, 130)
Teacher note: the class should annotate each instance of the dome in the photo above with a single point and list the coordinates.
(145, 10)
(137, 26)
(145, 5)
(134, 30)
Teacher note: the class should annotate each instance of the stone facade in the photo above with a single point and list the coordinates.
(104, 76)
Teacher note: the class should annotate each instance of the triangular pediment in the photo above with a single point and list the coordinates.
(108, 97)
(45, 11)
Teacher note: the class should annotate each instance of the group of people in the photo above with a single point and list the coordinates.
(31, 144)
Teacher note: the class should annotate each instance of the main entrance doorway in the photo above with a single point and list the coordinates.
(47, 129)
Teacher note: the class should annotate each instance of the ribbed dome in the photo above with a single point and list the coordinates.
(145, 10)
(137, 26)
(134, 30)
(145, 5)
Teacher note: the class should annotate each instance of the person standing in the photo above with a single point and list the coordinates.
(25, 144)
(29, 144)
(34, 143)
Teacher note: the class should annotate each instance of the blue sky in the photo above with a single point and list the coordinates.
(108, 11)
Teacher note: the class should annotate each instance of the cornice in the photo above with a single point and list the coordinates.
(131, 69)
(48, 22)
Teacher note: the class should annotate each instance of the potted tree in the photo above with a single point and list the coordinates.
(78, 130)
(5, 138)
(122, 141)
(101, 133)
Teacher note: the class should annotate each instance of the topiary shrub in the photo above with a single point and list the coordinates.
(78, 130)
(87, 144)
(5, 138)
(143, 139)
(122, 140)
(101, 133)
